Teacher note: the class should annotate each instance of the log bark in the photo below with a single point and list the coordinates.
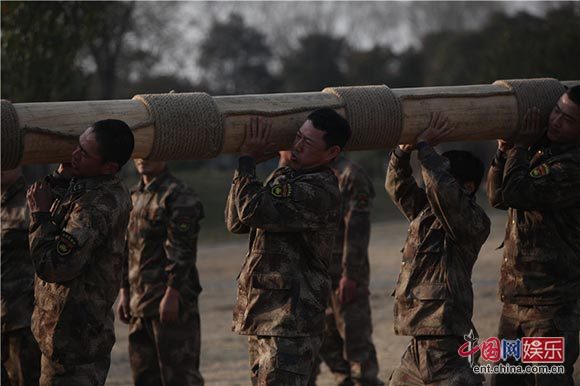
(480, 112)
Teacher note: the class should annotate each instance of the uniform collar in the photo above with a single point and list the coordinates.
(89, 183)
(544, 148)
(13, 189)
(156, 182)
(339, 163)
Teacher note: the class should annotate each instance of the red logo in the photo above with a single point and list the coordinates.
(543, 350)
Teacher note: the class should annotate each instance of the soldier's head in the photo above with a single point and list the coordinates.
(149, 168)
(103, 149)
(319, 140)
(466, 168)
(9, 177)
(564, 122)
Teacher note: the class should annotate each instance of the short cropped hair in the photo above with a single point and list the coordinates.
(336, 128)
(115, 140)
(465, 167)
(574, 94)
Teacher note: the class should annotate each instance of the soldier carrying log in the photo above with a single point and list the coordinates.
(283, 286)
(77, 246)
(434, 296)
(538, 183)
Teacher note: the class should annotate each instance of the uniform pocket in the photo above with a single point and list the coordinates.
(272, 295)
(434, 291)
(271, 281)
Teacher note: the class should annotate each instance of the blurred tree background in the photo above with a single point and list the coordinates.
(56, 51)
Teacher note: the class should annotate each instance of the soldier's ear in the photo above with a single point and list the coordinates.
(333, 152)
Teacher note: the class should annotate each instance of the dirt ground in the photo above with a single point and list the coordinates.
(224, 354)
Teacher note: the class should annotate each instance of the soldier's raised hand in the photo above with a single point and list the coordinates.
(439, 128)
(531, 129)
(39, 197)
(256, 142)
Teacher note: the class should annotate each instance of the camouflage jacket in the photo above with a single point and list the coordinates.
(17, 271)
(350, 256)
(434, 295)
(540, 188)
(162, 242)
(77, 250)
(283, 286)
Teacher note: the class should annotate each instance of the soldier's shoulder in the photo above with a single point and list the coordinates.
(564, 165)
(107, 197)
(323, 181)
(177, 192)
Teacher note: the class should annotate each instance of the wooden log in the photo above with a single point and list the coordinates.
(480, 112)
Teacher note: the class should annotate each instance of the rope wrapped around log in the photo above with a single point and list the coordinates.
(187, 126)
(542, 93)
(12, 141)
(374, 113)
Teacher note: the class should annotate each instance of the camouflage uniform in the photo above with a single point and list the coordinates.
(20, 353)
(347, 347)
(162, 241)
(77, 250)
(540, 273)
(434, 296)
(283, 286)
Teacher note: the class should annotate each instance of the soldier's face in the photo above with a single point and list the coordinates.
(86, 160)
(309, 149)
(564, 123)
(149, 168)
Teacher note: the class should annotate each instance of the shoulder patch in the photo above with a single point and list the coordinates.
(540, 171)
(281, 190)
(362, 201)
(183, 224)
(65, 244)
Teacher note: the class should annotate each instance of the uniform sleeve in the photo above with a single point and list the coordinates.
(494, 181)
(125, 280)
(402, 187)
(233, 223)
(60, 255)
(294, 206)
(184, 213)
(549, 185)
(357, 226)
(461, 218)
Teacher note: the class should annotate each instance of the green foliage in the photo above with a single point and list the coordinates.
(507, 47)
(235, 57)
(40, 41)
(319, 61)
(374, 66)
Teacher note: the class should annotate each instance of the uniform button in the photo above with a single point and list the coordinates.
(513, 221)
(502, 297)
(403, 263)
(505, 259)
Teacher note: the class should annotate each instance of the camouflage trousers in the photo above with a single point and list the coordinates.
(347, 347)
(535, 321)
(166, 354)
(277, 360)
(88, 374)
(434, 361)
(20, 358)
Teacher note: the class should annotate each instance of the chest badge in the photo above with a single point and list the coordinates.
(362, 201)
(540, 171)
(66, 244)
(281, 190)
